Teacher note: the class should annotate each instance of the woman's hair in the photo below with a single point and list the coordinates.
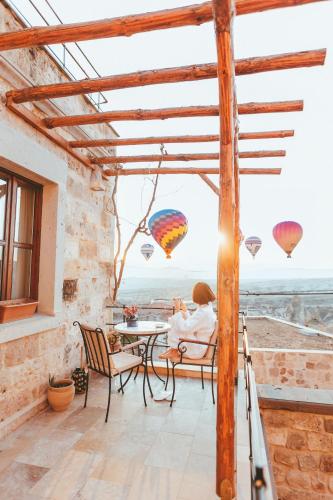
(202, 294)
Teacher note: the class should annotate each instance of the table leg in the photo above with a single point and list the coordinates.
(152, 361)
(147, 358)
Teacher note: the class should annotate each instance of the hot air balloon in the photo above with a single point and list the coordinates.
(168, 227)
(287, 234)
(147, 250)
(253, 244)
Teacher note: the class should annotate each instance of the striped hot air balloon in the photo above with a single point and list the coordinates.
(287, 235)
(147, 250)
(253, 244)
(168, 227)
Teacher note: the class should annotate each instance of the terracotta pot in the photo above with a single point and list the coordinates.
(61, 397)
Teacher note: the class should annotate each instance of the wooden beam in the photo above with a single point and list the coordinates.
(132, 141)
(112, 172)
(223, 11)
(165, 113)
(169, 75)
(191, 15)
(251, 6)
(273, 134)
(102, 160)
(210, 183)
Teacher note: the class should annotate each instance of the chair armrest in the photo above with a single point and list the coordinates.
(132, 345)
(194, 341)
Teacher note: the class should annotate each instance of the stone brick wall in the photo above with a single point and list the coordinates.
(301, 453)
(87, 231)
(308, 369)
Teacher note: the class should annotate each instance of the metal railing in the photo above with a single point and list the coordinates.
(67, 56)
(261, 478)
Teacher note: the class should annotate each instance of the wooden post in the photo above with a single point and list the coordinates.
(225, 426)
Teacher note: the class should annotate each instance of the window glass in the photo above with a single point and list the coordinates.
(25, 201)
(21, 273)
(3, 198)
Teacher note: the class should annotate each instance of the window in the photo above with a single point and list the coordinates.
(20, 217)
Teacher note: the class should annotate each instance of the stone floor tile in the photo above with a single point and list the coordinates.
(18, 479)
(199, 478)
(82, 419)
(68, 477)
(170, 451)
(204, 441)
(182, 421)
(47, 451)
(97, 489)
(152, 483)
(117, 469)
(10, 449)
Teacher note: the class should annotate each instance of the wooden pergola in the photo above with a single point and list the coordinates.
(222, 13)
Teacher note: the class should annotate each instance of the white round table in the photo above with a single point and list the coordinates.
(143, 328)
(150, 329)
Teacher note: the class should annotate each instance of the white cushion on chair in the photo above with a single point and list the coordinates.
(124, 361)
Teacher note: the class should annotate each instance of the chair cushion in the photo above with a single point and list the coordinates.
(188, 361)
(124, 361)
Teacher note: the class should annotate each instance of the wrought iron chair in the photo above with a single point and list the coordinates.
(208, 360)
(100, 359)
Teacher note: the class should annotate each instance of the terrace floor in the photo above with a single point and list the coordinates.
(153, 453)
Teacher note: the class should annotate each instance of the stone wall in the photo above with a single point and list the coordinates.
(301, 453)
(308, 369)
(83, 248)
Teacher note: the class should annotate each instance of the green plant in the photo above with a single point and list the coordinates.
(57, 385)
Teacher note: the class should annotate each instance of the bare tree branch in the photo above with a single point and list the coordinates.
(140, 228)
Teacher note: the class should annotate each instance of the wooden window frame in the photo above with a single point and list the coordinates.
(9, 244)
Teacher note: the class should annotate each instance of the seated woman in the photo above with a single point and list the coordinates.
(198, 326)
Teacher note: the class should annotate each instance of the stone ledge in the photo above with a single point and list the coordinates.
(25, 327)
(295, 399)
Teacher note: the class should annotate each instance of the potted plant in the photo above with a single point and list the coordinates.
(130, 313)
(60, 393)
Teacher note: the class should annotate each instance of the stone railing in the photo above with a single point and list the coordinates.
(299, 430)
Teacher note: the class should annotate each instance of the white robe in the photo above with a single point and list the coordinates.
(198, 326)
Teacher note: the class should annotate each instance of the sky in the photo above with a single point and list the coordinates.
(304, 190)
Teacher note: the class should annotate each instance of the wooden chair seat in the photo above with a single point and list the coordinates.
(123, 361)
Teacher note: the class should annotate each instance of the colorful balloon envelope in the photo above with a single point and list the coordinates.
(253, 244)
(287, 235)
(168, 228)
(147, 250)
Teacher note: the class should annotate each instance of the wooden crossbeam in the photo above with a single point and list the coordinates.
(112, 172)
(165, 113)
(103, 160)
(210, 183)
(191, 15)
(169, 75)
(132, 141)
